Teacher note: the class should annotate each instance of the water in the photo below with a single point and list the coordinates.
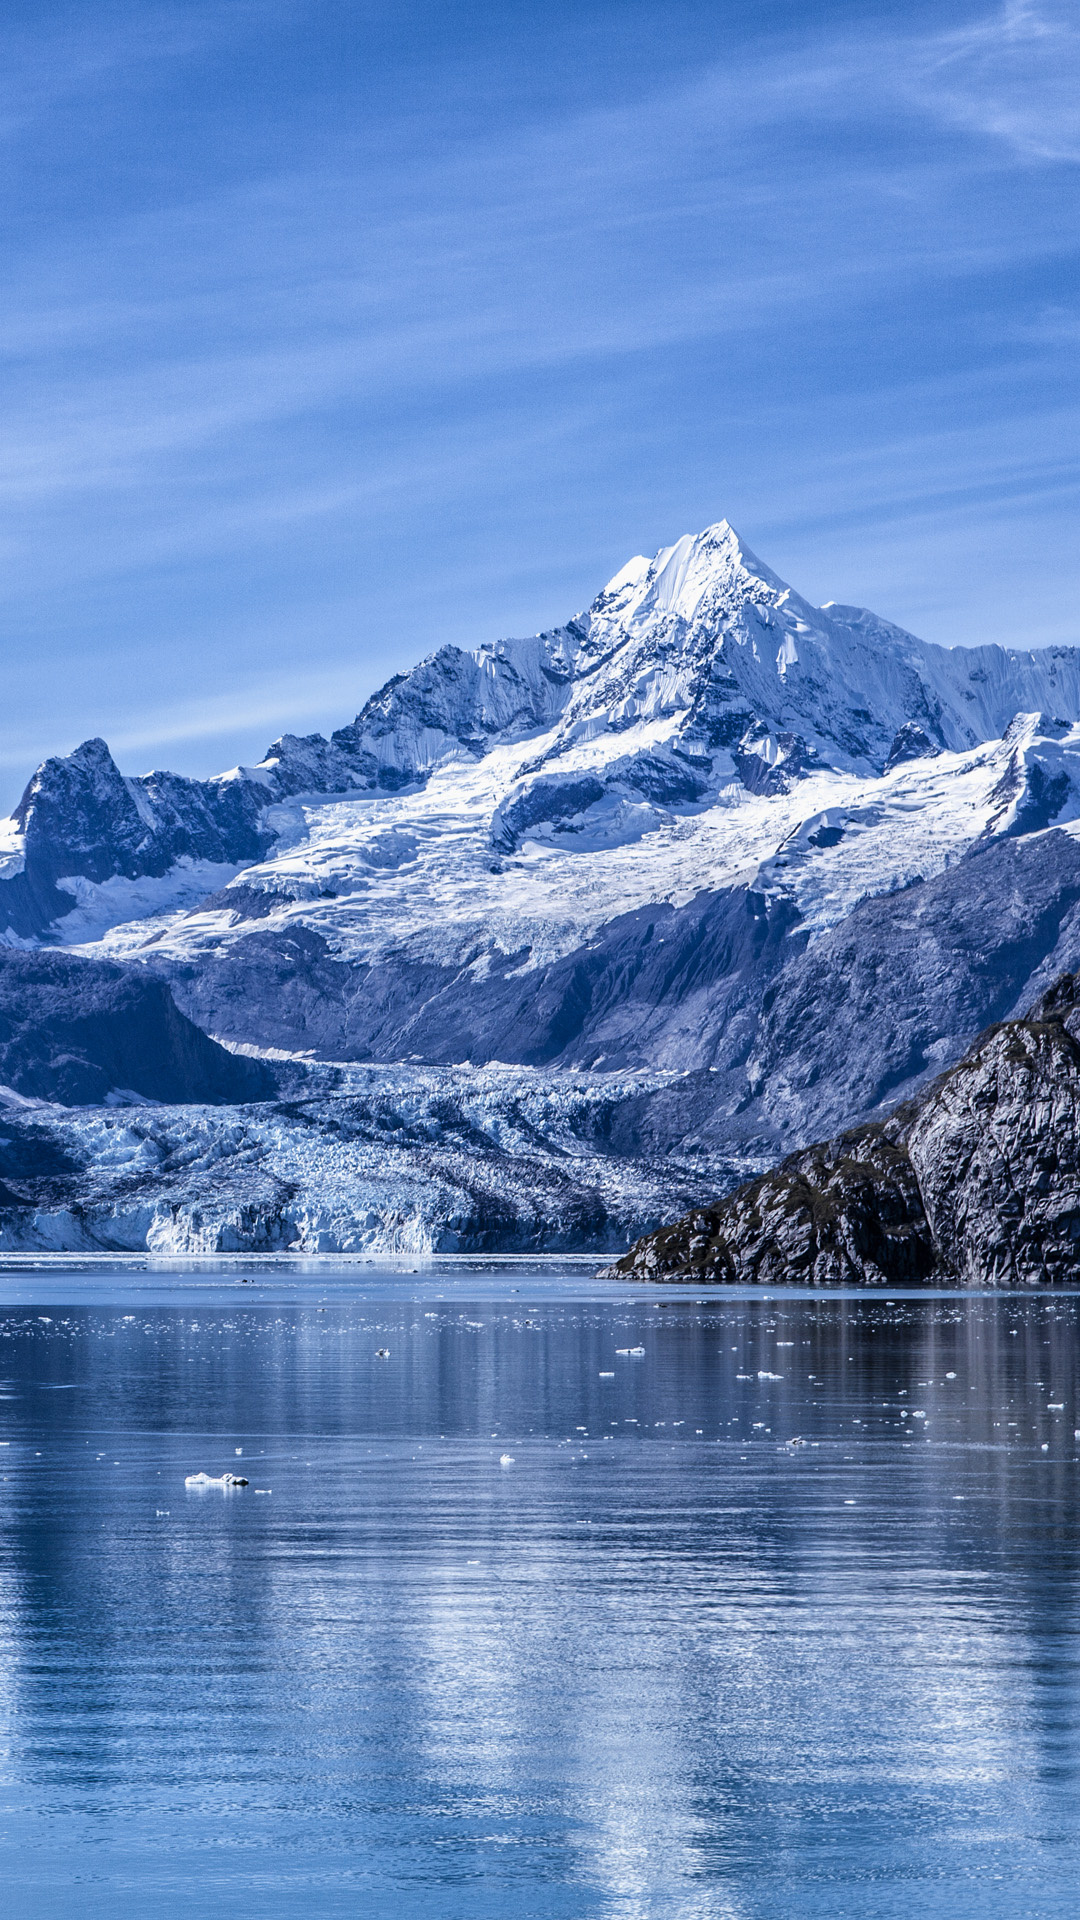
(657, 1662)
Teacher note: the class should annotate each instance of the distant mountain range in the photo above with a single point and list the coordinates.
(558, 937)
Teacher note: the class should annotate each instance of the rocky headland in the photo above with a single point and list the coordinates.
(975, 1183)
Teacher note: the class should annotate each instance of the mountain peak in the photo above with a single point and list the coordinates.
(681, 577)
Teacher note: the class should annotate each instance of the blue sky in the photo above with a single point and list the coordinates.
(334, 331)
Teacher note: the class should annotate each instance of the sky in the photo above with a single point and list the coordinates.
(333, 332)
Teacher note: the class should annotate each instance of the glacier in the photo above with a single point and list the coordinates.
(706, 851)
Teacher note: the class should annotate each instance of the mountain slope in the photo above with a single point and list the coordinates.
(82, 1032)
(705, 829)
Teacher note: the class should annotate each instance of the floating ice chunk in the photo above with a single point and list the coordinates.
(506, 1459)
(762, 1375)
(208, 1480)
(607, 1376)
(382, 1353)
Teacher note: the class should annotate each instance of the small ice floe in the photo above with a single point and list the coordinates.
(238, 1451)
(1045, 1448)
(950, 1376)
(606, 1376)
(382, 1353)
(796, 1441)
(1055, 1406)
(762, 1375)
(264, 1489)
(208, 1480)
(506, 1459)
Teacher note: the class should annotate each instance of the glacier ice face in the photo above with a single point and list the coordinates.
(383, 1162)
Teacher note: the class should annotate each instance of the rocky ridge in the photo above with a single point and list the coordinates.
(976, 1183)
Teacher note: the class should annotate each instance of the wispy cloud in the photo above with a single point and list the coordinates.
(442, 324)
(1013, 75)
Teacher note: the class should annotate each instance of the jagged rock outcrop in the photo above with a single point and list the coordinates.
(82, 1033)
(912, 742)
(975, 1184)
(81, 819)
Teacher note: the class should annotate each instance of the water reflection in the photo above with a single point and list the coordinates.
(662, 1662)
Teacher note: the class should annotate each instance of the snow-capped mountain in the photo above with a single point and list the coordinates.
(693, 677)
(616, 847)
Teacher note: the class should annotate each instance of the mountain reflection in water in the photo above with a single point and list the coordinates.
(527, 1626)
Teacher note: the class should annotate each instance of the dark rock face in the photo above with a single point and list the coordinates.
(75, 1031)
(996, 1152)
(546, 800)
(976, 1184)
(881, 1002)
(1029, 794)
(677, 984)
(563, 802)
(768, 764)
(844, 1213)
(912, 742)
(82, 818)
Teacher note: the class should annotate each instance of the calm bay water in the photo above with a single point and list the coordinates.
(525, 1626)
